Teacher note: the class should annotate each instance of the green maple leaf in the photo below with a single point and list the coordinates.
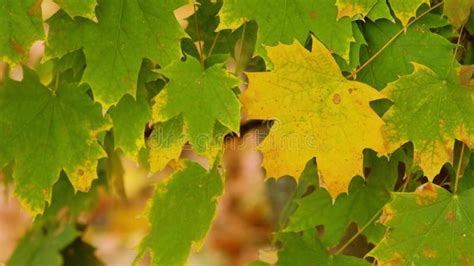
(283, 21)
(45, 131)
(42, 245)
(307, 249)
(418, 44)
(130, 117)
(64, 197)
(20, 25)
(379, 11)
(466, 181)
(307, 211)
(428, 227)
(202, 97)
(431, 111)
(368, 195)
(318, 209)
(184, 206)
(309, 178)
(365, 199)
(354, 54)
(127, 31)
(82, 8)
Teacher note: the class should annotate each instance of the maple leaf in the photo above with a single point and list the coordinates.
(417, 44)
(466, 181)
(45, 131)
(428, 227)
(283, 21)
(318, 113)
(458, 11)
(367, 196)
(202, 97)
(431, 111)
(75, 8)
(318, 209)
(185, 203)
(306, 210)
(307, 249)
(20, 25)
(130, 117)
(365, 199)
(65, 197)
(42, 245)
(354, 54)
(379, 11)
(405, 10)
(126, 32)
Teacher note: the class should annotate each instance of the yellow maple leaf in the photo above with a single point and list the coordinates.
(317, 112)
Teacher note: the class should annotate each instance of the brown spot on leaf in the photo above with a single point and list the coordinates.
(80, 172)
(336, 99)
(451, 217)
(35, 10)
(429, 253)
(396, 259)
(17, 47)
(426, 194)
(351, 90)
(313, 14)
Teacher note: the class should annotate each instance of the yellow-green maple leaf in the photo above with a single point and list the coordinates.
(431, 111)
(318, 113)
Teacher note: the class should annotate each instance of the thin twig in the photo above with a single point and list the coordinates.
(241, 48)
(405, 184)
(359, 232)
(458, 170)
(213, 44)
(457, 45)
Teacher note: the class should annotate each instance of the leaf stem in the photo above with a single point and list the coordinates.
(372, 58)
(405, 184)
(457, 45)
(213, 44)
(241, 48)
(458, 170)
(340, 250)
(198, 35)
(455, 51)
